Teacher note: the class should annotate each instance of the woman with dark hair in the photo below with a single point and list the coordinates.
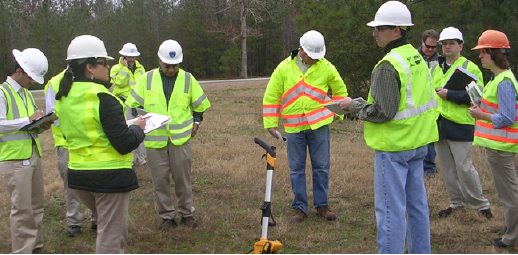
(497, 130)
(100, 143)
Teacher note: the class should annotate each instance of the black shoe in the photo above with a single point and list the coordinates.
(189, 222)
(487, 213)
(498, 243)
(73, 231)
(167, 224)
(94, 227)
(446, 212)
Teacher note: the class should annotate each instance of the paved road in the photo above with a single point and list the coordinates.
(201, 82)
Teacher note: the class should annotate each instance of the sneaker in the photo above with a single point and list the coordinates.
(189, 222)
(73, 231)
(446, 212)
(326, 213)
(298, 216)
(167, 224)
(487, 213)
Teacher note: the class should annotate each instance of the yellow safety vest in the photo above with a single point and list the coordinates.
(299, 98)
(502, 139)
(187, 96)
(457, 113)
(88, 145)
(414, 124)
(123, 79)
(17, 145)
(53, 87)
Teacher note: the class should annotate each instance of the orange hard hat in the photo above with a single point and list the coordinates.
(492, 39)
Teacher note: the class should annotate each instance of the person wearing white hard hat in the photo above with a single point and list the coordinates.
(296, 92)
(456, 129)
(124, 76)
(99, 141)
(20, 151)
(399, 117)
(169, 90)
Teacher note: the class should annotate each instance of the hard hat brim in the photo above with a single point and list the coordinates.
(136, 54)
(171, 62)
(18, 56)
(315, 55)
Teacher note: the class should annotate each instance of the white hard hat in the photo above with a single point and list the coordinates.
(129, 50)
(170, 52)
(392, 13)
(450, 33)
(86, 46)
(33, 62)
(312, 42)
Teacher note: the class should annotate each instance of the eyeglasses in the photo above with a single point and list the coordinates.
(430, 46)
(167, 66)
(103, 63)
(381, 28)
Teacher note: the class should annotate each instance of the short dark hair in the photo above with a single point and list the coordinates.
(430, 34)
(500, 59)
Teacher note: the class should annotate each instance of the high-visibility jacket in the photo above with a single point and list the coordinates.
(123, 79)
(414, 124)
(299, 98)
(187, 96)
(503, 139)
(88, 145)
(457, 113)
(52, 89)
(17, 145)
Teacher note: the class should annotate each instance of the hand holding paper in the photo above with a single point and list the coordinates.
(153, 121)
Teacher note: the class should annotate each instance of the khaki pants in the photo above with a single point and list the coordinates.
(24, 182)
(111, 211)
(74, 215)
(176, 161)
(460, 177)
(506, 183)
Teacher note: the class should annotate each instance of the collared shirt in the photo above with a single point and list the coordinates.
(300, 63)
(8, 126)
(168, 83)
(506, 104)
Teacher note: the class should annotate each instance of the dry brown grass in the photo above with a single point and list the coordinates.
(229, 182)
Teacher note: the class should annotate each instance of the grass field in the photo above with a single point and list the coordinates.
(229, 183)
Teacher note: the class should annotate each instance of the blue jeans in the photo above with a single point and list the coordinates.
(318, 143)
(399, 188)
(429, 160)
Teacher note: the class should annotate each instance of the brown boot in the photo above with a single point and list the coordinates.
(326, 213)
(298, 216)
(189, 222)
(446, 212)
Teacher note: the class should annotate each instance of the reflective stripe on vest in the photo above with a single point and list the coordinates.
(17, 145)
(412, 110)
(503, 139)
(271, 110)
(163, 130)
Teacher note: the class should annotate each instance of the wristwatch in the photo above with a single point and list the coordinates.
(198, 123)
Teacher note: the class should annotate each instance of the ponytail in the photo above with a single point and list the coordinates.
(75, 71)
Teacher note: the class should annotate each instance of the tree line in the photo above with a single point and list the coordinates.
(239, 38)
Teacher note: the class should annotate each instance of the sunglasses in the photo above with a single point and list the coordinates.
(103, 63)
(381, 28)
(430, 46)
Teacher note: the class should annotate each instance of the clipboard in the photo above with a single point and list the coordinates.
(49, 118)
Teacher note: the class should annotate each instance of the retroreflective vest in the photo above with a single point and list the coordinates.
(299, 98)
(502, 139)
(457, 113)
(88, 145)
(52, 89)
(187, 96)
(123, 79)
(414, 124)
(17, 145)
